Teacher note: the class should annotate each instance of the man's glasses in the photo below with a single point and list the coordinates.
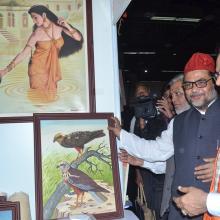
(202, 83)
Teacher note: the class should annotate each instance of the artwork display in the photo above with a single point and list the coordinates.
(76, 166)
(65, 157)
(46, 64)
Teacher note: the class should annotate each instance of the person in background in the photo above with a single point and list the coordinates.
(186, 136)
(165, 105)
(52, 37)
(148, 127)
(180, 105)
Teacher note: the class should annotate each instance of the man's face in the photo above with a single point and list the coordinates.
(178, 97)
(200, 97)
(142, 91)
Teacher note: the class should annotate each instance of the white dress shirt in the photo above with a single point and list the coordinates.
(158, 150)
(213, 203)
(153, 152)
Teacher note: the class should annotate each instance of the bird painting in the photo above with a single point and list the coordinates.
(81, 183)
(78, 139)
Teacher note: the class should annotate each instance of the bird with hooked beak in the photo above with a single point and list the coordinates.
(78, 139)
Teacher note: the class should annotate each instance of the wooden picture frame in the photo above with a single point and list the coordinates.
(87, 178)
(10, 210)
(17, 158)
(75, 91)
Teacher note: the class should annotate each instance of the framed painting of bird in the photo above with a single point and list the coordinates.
(10, 210)
(76, 166)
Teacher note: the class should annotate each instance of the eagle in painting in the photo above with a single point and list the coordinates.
(78, 139)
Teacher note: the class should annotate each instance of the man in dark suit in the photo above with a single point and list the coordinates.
(186, 137)
(195, 201)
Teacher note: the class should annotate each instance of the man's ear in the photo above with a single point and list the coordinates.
(218, 63)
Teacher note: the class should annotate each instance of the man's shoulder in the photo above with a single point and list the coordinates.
(216, 103)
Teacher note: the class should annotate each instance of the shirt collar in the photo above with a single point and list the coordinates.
(203, 112)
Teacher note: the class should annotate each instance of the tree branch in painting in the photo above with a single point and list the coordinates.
(71, 173)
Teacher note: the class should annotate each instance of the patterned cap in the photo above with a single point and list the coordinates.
(200, 61)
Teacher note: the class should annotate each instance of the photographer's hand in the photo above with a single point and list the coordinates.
(164, 108)
(116, 128)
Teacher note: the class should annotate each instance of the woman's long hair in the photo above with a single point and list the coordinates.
(70, 45)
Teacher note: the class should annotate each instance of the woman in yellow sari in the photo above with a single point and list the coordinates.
(52, 37)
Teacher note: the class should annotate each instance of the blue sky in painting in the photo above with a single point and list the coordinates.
(80, 122)
(17, 160)
(49, 128)
(6, 215)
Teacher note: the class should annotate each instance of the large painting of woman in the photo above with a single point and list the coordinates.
(50, 72)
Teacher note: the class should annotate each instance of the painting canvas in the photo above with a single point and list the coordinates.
(10, 210)
(76, 166)
(17, 158)
(22, 90)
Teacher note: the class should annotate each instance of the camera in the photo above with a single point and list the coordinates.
(145, 107)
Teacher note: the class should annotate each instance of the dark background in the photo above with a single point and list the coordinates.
(157, 50)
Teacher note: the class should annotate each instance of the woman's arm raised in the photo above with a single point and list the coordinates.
(71, 31)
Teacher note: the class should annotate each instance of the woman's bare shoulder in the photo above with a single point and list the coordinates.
(38, 33)
(38, 30)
